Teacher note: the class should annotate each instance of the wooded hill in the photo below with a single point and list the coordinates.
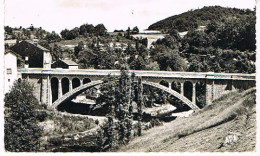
(226, 43)
(194, 18)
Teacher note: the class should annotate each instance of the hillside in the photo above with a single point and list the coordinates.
(194, 18)
(223, 126)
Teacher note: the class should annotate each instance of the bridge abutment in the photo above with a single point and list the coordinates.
(209, 91)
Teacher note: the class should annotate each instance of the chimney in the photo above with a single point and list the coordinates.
(26, 65)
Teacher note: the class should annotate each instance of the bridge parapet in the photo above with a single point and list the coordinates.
(141, 73)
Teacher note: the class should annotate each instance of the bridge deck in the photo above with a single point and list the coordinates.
(142, 73)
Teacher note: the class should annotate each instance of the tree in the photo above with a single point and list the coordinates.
(52, 37)
(135, 30)
(79, 48)
(56, 52)
(168, 58)
(8, 30)
(117, 94)
(128, 32)
(100, 30)
(21, 130)
(64, 33)
(70, 34)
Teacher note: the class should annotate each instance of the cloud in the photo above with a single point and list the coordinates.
(89, 4)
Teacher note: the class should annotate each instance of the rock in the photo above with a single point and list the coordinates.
(76, 137)
(230, 139)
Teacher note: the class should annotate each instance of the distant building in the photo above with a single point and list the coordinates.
(65, 64)
(36, 55)
(182, 34)
(150, 32)
(10, 69)
(201, 28)
(10, 42)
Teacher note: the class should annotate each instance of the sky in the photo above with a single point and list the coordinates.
(56, 15)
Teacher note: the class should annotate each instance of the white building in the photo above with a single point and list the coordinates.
(10, 69)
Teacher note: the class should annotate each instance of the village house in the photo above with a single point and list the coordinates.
(65, 64)
(36, 55)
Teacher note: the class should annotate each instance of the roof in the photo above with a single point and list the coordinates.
(10, 41)
(68, 62)
(12, 52)
(37, 45)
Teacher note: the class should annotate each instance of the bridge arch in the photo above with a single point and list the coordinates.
(164, 83)
(75, 82)
(188, 86)
(176, 86)
(76, 91)
(86, 80)
(54, 88)
(65, 82)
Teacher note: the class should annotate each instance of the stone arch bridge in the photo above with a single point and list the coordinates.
(68, 83)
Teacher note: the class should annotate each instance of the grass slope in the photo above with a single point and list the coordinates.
(206, 130)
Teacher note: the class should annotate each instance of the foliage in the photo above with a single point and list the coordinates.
(70, 124)
(118, 94)
(8, 30)
(21, 130)
(227, 44)
(135, 30)
(194, 18)
(85, 30)
(168, 58)
(52, 37)
(69, 34)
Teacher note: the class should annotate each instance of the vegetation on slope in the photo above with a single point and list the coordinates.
(194, 18)
(223, 126)
(225, 44)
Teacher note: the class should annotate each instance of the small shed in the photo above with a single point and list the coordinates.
(65, 64)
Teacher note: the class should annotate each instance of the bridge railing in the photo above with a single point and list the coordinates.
(142, 73)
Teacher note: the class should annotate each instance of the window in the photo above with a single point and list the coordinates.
(9, 71)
